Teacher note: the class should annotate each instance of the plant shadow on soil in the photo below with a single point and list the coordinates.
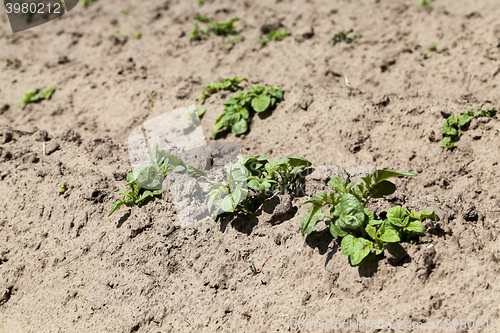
(243, 223)
(124, 218)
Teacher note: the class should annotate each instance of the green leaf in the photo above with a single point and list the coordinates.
(309, 221)
(261, 103)
(124, 192)
(398, 216)
(463, 120)
(155, 157)
(146, 194)
(447, 143)
(245, 114)
(114, 207)
(334, 228)
(370, 230)
(142, 174)
(350, 212)
(388, 233)
(415, 226)
(227, 204)
(203, 19)
(384, 174)
(422, 215)
(346, 244)
(369, 214)
(375, 222)
(356, 248)
(240, 127)
(360, 248)
(382, 189)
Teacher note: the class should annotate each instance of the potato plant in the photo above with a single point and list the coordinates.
(453, 125)
(253, 179)
(145, 181)
(220, 29)
(35, 96)
(275, 35)
(344, 212)
(343, 36)
(240, 108)
(228, 84)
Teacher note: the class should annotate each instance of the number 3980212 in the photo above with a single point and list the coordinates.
(33, 8)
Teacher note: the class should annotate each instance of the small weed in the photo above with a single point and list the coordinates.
(275, 35)
(254, 270)
(62, 188)
(87, 2)
(34, 96)
(433, 48)
(425, 3)
(344, 36)
(228, 84)
(138, 35)
(93, 306)
(453, 125)
(233, 41)
(202, 2)
(117, 32)
(240, 108)
(124, 11)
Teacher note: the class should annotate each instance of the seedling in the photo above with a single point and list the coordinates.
(252, 266)
(275, 35)
(254, 270)
(202, 2)
(138, 35)
(117, 32)
(145, 181)
(62, 188)
(93, 306)
(253, 179)
(425, 3)
(345, 215)
(233, 41)
(35, 96)
(219, 29)
(433, 48)
(87, 2)
(453, 125)
(240, 108)
(228, 84)
(344, 36)
(124, 11)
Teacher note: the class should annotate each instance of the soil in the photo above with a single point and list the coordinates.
(378, 101)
